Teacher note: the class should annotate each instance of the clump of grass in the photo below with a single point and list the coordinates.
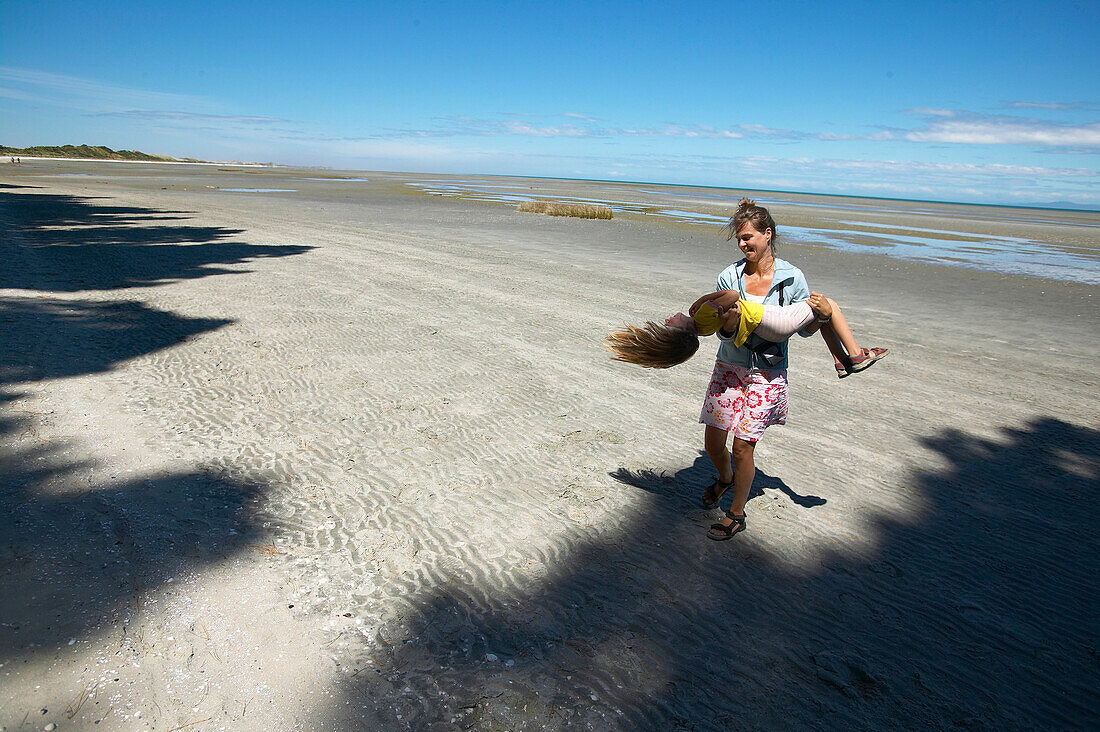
(74, 707)
(268, 550)
(576, 210)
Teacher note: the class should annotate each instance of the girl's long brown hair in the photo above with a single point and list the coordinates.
(654, 346)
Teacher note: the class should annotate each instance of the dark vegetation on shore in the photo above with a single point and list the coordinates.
(576, 210)
(93, 152)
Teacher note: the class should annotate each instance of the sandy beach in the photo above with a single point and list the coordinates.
(350, 455)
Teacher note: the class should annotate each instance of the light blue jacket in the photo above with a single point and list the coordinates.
(788, 286)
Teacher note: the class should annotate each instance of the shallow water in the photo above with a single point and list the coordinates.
(338, 180)
(259, 190)
(1058, 244)
(1010, 255)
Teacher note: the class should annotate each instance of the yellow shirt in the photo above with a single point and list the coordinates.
(707, 320)
(751, 315)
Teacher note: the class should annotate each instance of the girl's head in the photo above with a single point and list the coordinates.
(754, 229)
(654, 346)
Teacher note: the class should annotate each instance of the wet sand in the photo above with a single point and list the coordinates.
(355, 455)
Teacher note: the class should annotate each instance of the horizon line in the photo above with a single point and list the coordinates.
(1075, 208)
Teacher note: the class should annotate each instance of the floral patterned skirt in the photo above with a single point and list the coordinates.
(745, 401)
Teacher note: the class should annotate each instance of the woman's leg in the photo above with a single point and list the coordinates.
(714, 442)
(744, 470)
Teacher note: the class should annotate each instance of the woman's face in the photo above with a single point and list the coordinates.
(755, 245)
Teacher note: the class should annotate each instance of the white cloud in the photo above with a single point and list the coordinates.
(902, 168)
(675, 130)
(1057, 106)
(939, 126)
(920, 180)
(168, 116)
(392, 149)
(931, 112)
(971, 128)
(1008, 132)
(587, 127)
(87, 95)
(22, 96)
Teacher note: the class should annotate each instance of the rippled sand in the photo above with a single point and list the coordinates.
(355, 454)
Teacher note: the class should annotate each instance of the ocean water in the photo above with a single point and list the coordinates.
(1047, 243)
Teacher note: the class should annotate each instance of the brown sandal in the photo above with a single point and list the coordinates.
(713, 494)
(722, 532)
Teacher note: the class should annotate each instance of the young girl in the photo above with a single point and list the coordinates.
(748, 388)
(660, 347)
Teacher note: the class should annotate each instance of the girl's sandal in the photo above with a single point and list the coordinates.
(868, 357)
(721, 532)
(714, 492)
(841, 370)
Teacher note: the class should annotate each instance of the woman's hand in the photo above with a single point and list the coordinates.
(821, 306)
(731, 316)
(722, 300)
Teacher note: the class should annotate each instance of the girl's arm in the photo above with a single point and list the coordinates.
(722, 300)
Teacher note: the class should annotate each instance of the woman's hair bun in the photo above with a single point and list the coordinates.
(748, 212)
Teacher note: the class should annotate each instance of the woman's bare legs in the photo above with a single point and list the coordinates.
(740, 467)
(744, 470)
(714, 442)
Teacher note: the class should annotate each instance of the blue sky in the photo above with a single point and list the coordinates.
(990, 102)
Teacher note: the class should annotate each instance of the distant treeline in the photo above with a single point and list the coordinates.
(94, 152)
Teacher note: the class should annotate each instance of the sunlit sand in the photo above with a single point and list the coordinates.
(355, 457)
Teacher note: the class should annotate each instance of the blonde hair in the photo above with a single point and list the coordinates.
(654, 346)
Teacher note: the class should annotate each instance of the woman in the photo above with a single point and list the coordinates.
(748, 388)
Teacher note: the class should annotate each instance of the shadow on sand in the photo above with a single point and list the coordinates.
(77, 554)
(978, 612)
(78, 548)
(59, 243)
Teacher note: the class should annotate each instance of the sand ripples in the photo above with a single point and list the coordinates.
(483, 518)
(406, 421)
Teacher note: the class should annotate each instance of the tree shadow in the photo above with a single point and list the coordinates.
(38, 210)
(47, 339)
(77, 552)
(76, 548)
(688, 483)
(973, 611)
(61, 243)
(74, 562)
